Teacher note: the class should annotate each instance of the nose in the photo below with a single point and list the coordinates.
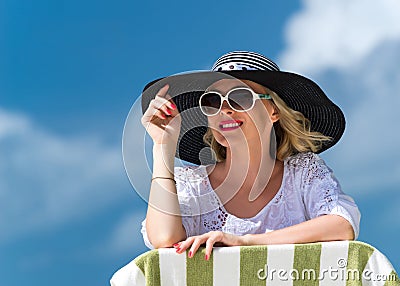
(226, 108)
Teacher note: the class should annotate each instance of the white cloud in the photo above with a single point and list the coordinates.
(12, 123)
(126, 237)
(124, 241)
(368, 156)
(352, 46)
(338, 33)
(46, 179)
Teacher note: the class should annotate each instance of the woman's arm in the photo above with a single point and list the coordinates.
(163, 221)
(322, 228)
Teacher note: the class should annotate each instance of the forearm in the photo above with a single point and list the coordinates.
(163, 220)
(323, 228)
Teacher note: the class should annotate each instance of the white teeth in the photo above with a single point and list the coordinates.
(230, 125)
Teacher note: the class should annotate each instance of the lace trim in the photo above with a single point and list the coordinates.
(215, 221)
(220, 219)
(306, 177)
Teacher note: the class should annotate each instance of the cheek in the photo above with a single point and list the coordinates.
(260, 118)
(211, 121)
(213, 124)
(219, 138)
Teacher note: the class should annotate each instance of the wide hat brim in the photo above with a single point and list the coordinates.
(298, 92)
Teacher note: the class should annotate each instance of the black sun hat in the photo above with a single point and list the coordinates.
(298, 92)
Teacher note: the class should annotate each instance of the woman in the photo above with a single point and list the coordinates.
(268, 185)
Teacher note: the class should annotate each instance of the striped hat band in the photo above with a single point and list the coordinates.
(241, 60)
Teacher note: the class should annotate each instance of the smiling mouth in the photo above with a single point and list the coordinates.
(230, 125)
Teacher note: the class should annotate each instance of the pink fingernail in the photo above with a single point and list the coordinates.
(190, 253)
(178, 249)
(207, 257)
(173, 106)
(175, 245)
(168, 112)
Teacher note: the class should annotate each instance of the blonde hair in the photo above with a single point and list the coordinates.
(292, 131)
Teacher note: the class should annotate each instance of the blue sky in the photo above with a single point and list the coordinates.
(71, 70)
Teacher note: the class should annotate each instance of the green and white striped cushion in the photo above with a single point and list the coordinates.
(323, 263)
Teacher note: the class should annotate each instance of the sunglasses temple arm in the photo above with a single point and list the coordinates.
(264, 96)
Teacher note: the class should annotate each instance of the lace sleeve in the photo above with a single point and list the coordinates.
(188, 203)
(186, 187)
(144, 234)
(322, 194)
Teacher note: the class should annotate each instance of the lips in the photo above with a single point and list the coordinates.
(230, 125)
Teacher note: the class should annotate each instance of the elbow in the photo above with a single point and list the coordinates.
(350, 234)
(162, 242)
(165, 240)
(347, 232)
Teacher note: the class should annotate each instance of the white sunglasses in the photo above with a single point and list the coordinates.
(240, 99)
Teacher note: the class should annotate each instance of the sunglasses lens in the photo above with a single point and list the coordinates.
(210, 103)
(241, 99)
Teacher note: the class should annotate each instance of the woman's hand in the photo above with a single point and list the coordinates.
(161, 119)
(210, 238)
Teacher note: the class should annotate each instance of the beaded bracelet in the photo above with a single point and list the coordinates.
(167, 178)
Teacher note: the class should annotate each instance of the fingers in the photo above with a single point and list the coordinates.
(161, 119)
(183, 245)
(167, 101)
(167, 108)
(159, 114)
(195, 246)
(209, 247)
(163, 91)
(161, 108)
(196, 241)
(162, 104)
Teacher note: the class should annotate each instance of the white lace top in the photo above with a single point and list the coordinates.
(308, 190)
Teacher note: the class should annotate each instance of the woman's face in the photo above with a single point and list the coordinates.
(230, 126)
